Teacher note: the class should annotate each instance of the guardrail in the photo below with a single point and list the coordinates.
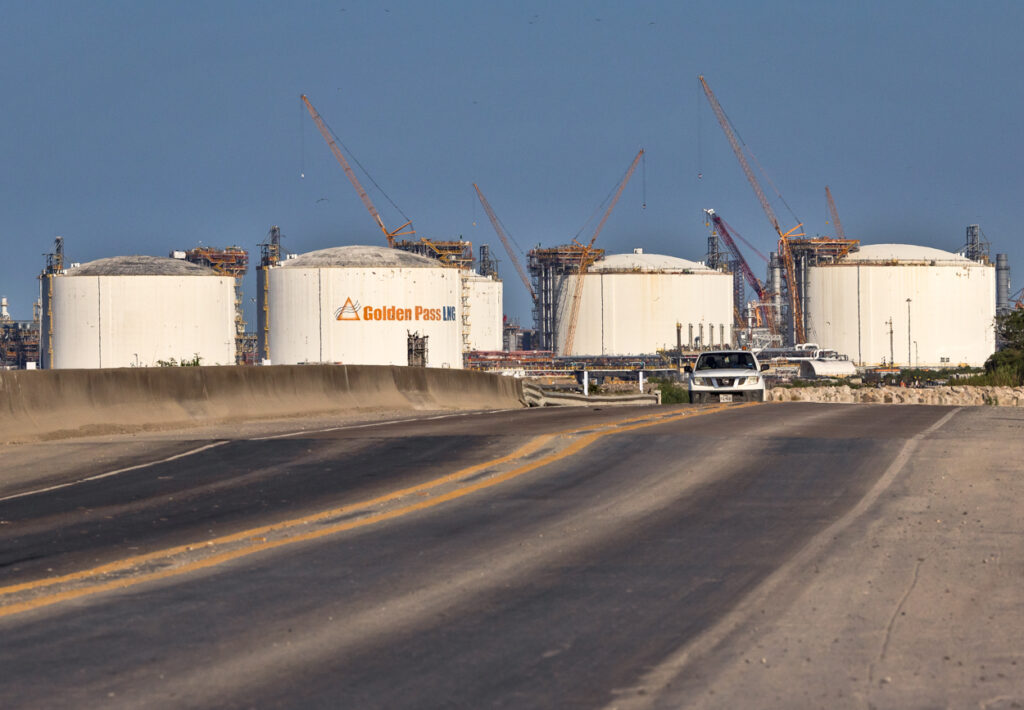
(535, 396)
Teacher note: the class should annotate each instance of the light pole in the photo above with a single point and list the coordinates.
(909, 362)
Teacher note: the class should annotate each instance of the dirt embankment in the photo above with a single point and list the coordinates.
(954, 395)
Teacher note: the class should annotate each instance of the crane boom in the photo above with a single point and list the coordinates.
(727, 237)
(796, 307)
(350, 173)
(505, 240)
(574, 314)
(840, 233)
(755, 283)
(618, 194)
(723, 121)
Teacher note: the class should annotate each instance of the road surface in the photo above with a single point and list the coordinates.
(767, 555)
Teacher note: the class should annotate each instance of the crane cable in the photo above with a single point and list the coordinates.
(757, 162)
(643, 174)
(607, 199)
(365, 171)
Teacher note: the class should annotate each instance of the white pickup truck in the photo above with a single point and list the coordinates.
(726, 376)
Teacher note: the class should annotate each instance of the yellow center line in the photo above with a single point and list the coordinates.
(530, 447)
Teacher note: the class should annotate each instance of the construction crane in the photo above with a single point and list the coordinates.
(505, 240)
(574, 314)
(796, 307)
(340, 156)
(1017, 300)
(840, 234)
(763, 296)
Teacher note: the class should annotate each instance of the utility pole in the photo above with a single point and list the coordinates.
(910, 363)
(892, 358)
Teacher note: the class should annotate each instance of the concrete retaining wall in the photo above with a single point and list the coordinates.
(47, 404)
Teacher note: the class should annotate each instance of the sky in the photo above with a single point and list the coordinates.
(143, 127)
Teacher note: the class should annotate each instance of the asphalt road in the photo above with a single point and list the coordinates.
(542, 558)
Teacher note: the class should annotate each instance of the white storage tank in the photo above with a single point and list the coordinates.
(939, 306)
(135, 311)
(357, 304)
(631, 304)
(484, 314)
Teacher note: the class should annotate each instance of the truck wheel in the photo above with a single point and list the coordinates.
(696, 398)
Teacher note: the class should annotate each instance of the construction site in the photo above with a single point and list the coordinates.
(418, 301)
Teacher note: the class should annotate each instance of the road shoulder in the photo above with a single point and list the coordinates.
(917, 603)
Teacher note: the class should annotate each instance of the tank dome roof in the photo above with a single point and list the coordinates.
(360, 257)
(139, 265)
(645, 263)
(911, 253)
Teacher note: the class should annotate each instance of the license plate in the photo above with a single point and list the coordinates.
(725, 398)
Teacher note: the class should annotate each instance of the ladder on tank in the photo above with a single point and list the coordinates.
(465, 314)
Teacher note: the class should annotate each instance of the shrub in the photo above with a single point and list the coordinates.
(672, 392)
(1001, 376)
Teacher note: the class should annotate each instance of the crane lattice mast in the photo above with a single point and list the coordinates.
(570, 334)
(840, 233)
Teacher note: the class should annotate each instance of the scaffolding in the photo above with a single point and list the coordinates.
(516, 337)
(977, 247)
(454, 254)
(19, 343)
(230, 261)
(54, 266)
(270, 256)
(549, 268)
(798, 256)
(417, 348)
(485, 264)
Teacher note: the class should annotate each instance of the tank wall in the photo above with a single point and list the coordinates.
(951, 313)
(636, 313)
(485, 313)
(320, 315)
(126, 321)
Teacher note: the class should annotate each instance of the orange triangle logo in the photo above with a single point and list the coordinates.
(349, 311)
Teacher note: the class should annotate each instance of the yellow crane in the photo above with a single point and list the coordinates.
(505, 241)
(570, 332)
(784, 247)
(340, 156)
(840, 234)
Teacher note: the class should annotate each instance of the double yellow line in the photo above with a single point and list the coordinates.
(33, 595)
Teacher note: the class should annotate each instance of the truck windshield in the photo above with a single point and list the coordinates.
(721, 361)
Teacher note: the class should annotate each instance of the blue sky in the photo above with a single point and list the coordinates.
(141, 127)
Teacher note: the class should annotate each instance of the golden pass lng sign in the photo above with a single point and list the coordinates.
(354, 311)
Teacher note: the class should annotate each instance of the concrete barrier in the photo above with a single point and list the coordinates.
(39, 405)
